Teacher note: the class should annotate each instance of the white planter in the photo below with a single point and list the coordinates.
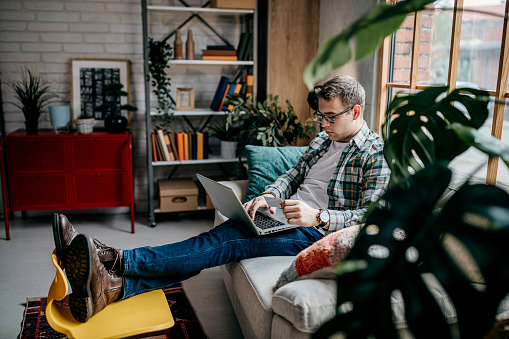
(228, 149)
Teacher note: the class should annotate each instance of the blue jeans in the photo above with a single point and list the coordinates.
(151, 268)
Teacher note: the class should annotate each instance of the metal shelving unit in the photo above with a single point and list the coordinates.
(195, 13)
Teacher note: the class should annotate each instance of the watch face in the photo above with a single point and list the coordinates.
(324, 216)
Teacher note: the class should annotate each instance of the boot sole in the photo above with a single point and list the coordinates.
(78, 265)
(57, 236)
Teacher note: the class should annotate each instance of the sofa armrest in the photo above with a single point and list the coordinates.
(240, 188)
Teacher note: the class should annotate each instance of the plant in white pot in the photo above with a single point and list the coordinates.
(33, 95)
(84, 124)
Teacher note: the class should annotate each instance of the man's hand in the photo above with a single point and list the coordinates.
(253, 205)
(300, 213)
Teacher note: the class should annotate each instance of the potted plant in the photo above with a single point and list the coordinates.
(33, 95)
(160, 54)
(84, 124)
(114, 121)
(229, 138)
(266, 124)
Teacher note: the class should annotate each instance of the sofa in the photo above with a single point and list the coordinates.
(298, 308)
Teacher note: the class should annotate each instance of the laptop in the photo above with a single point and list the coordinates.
(228, 203)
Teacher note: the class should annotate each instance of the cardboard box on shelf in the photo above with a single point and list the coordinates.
(233, 4)
(178, 195)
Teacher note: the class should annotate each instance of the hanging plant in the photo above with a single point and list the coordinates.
(160, 54)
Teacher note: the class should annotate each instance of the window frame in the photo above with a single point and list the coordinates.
(501, 91)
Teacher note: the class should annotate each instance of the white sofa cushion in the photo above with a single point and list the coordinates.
(253, 281)
(306, 303)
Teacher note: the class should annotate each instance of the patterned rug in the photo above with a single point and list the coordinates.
(186, 322)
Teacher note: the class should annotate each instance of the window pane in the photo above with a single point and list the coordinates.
(481, 36)
(474, 162)
(435, 44)
(402, 52)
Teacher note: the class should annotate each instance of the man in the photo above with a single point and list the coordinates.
(342, 171)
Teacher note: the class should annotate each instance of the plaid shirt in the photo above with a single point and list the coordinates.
(361, 176)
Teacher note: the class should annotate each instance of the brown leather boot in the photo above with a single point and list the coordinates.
(93, 286)
(64, 232)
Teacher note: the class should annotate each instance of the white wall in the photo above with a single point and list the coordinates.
(45, 35)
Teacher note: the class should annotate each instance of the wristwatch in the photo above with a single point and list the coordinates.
(323, 218)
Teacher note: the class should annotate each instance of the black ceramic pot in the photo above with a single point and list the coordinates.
(115, 123)
(32, 127)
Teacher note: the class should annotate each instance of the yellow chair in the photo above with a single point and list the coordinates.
(143, 313)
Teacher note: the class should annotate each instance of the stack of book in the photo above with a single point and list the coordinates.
(179, 146)
(227, 53)
(225, 87)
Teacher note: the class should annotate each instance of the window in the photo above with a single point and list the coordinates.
(442, 46)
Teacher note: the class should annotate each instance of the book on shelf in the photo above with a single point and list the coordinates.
(231, 88)
(220, 47)
(236, 90)
(180, 145)
(249, 89)
(173, 143)
(242, 45)
(159, 150)
(219, 58)
(249, 46)
(199, 146)
(186, 146)
(224, 96)
(164, 147)
(218, 96)
(219, 52)
(168, 146)
(205, 145)
(154, 147)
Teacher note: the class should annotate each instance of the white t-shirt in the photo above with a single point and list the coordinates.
(313, 190)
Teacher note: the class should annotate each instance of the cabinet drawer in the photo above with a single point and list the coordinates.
(100, 189)
(98, 153)
(39, 191)
(36, 154)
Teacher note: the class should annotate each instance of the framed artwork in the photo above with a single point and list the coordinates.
(185, 99)
(88, 78)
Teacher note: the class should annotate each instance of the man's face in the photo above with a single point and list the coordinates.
(346, 125)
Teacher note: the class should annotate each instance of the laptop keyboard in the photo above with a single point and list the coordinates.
(265, 222)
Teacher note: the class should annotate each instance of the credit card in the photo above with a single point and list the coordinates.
(274, 202)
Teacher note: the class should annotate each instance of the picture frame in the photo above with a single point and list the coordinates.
(88, 78)
(185, 99)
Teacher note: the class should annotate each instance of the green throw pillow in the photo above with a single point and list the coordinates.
(265, 164)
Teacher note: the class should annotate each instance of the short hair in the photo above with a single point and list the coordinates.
(349, 90)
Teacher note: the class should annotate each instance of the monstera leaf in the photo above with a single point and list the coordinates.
(401, 244)
(368, 31)
(419, 135)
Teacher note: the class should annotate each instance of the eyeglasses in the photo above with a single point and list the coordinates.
(330, 118)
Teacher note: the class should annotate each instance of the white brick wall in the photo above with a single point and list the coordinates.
(45, 35)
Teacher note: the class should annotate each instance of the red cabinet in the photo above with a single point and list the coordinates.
(66, 171)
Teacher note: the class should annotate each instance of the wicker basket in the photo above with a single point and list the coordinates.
(84, 126)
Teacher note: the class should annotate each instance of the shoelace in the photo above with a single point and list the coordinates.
(106, 249)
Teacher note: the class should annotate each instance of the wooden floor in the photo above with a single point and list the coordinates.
(26, 269)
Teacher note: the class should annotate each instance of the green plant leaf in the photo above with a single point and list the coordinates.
(369, 31)
(418, 135)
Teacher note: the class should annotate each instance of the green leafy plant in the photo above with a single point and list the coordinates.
(114, 91)
(433, 126)
(266, 124)
(409, 243)
(220, 131)
(160, 54)
(33, 95)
